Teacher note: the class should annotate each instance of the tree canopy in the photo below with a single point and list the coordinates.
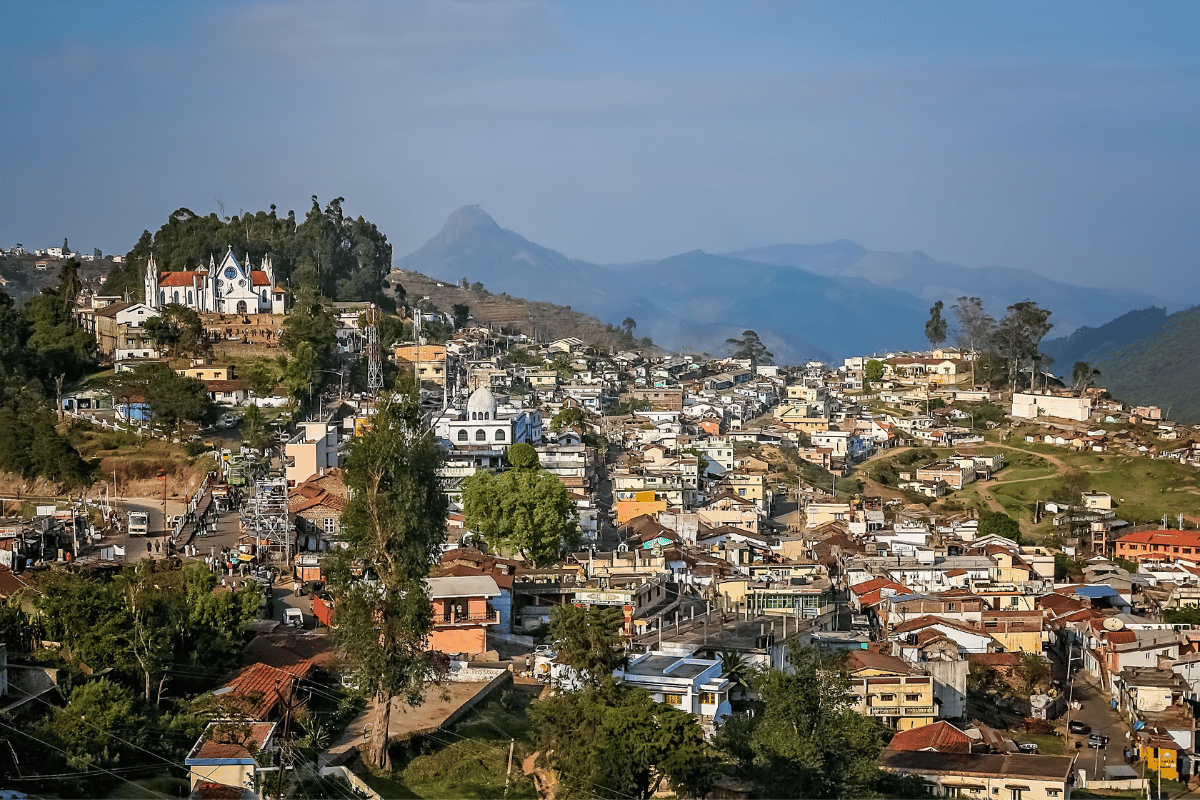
(525, 508)
(804, 737)
(751, 347)
(342, 257)
(177, 331)
(935, 328)
(999, 524)
(392, 529)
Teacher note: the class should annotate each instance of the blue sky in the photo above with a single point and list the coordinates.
(1058, 137)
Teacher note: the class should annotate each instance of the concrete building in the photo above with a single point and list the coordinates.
(1030, 406)
(311, 450)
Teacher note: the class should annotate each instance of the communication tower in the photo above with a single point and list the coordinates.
(373, 351)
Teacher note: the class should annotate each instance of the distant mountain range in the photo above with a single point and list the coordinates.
(1159, 368)
(1088, 344)
(805, 301)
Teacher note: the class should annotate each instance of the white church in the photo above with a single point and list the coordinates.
(226, 289)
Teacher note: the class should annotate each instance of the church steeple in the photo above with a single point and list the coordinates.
(150, 283)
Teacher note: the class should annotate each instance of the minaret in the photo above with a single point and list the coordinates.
(150, 283)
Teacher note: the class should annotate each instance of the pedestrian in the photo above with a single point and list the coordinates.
(149, 547)
(528, 665)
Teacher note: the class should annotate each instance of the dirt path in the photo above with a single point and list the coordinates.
(543, 779)
(985, 489)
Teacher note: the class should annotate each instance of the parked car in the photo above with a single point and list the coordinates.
(1075, 726)
(1028, 747)
(293, 617)
(1098, 741)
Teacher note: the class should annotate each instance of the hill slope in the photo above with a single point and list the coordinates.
(1088, 344)
(1159, 369)
(694, 301)
(546, 321)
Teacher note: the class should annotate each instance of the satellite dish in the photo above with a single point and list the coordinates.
(1113, 624)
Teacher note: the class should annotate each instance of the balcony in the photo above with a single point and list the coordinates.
(918, 711)
(452, 617)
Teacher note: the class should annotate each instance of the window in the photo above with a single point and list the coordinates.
(190, 301)
(708, 698)
(462, 436)
(673, 699)
(887, 698)
(176, 295)
(330, 524)
(499, 434)
(481, 435)
(1052, 793)
(1012, 601)
(911, 698)
(951, 606)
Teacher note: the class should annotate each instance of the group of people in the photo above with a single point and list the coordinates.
(261, 335)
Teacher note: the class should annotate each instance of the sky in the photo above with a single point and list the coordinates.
(1057, 137)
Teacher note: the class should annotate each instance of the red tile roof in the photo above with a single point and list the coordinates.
(255, 690)
(185, 278)
(940, 736)
(232, 745)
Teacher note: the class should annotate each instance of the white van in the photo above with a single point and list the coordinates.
(293, 617)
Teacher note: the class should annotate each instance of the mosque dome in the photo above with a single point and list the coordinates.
(481, 404)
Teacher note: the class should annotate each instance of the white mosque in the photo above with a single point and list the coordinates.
(483, 424)
(226, 289)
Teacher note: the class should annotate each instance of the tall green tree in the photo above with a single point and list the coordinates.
(1083, 375)
(935, 328)
(393, 529)
(1018, 338)
(621, 743)
(263, 375)
(751, 347)
(975, 328)
(177, 331)
(805, 739)
(1000, 524)
(589, 641)
(525, 508)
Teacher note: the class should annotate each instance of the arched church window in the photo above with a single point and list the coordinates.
(162, 297)
(176, 295)
(481, 435)
(190, 301)
(487, 415)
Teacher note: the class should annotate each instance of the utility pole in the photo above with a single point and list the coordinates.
(511, 745)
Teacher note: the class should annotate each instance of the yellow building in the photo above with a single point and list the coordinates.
(749, 485)
(1018, 631)
(207, 372)
(1161, 755)
(886, 688)
(429, 361)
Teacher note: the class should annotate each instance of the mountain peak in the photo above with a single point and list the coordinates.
(466, 220)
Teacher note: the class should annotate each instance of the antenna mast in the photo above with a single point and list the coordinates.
(374, 355)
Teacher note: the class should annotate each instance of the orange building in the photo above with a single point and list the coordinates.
(462, 613)
(1159, 545)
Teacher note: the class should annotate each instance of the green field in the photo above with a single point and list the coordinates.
(1142, 489)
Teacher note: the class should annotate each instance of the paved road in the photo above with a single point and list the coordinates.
(1097, 712)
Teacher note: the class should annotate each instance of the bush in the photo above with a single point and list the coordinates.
(195, 447)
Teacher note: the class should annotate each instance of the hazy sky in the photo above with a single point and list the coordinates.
(1060, 137)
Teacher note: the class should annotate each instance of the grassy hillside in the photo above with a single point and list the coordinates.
(546, 321)
(1159, 369)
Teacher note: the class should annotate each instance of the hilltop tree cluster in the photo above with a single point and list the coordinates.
(1009, 350)
(341, 257)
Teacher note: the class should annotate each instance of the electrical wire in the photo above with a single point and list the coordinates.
(68, 755)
